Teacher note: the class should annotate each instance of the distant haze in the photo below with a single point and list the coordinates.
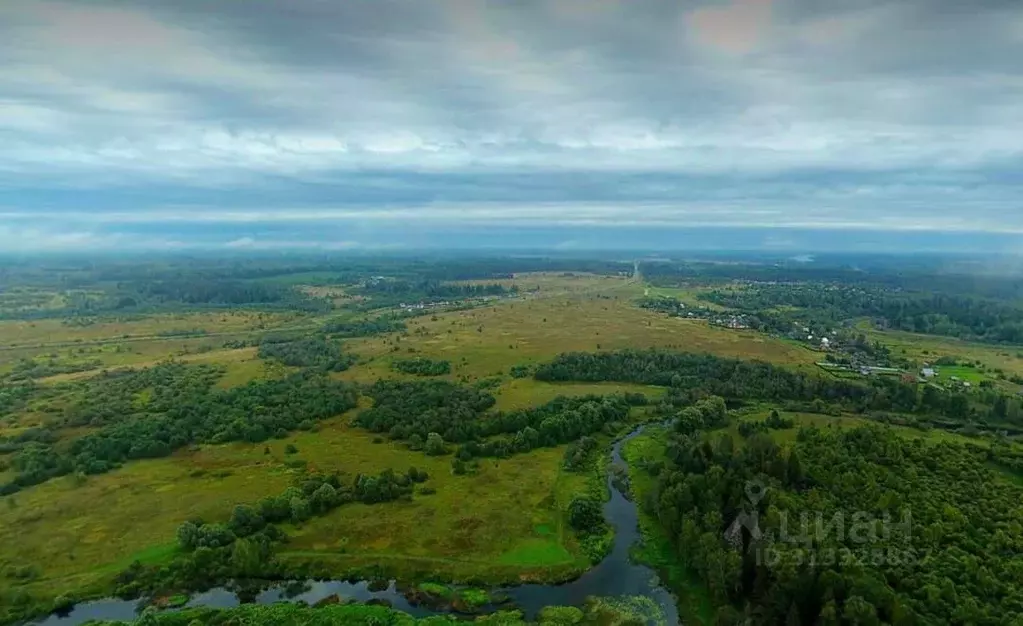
(147, 125)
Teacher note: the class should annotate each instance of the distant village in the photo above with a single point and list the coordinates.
(843, 351)
(419, 307)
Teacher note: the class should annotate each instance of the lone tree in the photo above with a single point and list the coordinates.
(435, 445)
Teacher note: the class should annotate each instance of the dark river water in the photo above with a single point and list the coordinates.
(614, 576)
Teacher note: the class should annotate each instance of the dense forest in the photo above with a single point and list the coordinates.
(917, 273)
(962, 316)
(140, 296)
(846, 527)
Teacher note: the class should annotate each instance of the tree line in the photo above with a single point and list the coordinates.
(363, 328)
(689, 375)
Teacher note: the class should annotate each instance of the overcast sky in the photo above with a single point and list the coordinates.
(387, 123)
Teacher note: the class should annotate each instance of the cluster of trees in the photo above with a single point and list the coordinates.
(243, 547)
(14, 396)
(119, 394)
(28, 369)
(364, 328)
(431, 289)
(313, 352)
(431, 414)
(422, 366)
(252, 412)
(774, 421)
(13, 443)
(406, 408)
(1003, 453)
(847, 527)
(561, 420)
(565, 419)
(579, 454)
(520, 371)
(707, 413)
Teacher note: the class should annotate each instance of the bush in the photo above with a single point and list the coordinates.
(421, 366)
(586, 515)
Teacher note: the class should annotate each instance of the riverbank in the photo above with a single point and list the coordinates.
(594, 612)
(614, 576)
(654, 549)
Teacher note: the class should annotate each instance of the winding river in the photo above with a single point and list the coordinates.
(614, 576)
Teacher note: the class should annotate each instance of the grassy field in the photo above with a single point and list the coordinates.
(489, 341)
(520, 393)
(241, 364)
(76, 533)
(508, 515)
(49, 331)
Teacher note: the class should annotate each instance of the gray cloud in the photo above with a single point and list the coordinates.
(901, 114)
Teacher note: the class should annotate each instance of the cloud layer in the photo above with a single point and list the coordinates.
(903, 115)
